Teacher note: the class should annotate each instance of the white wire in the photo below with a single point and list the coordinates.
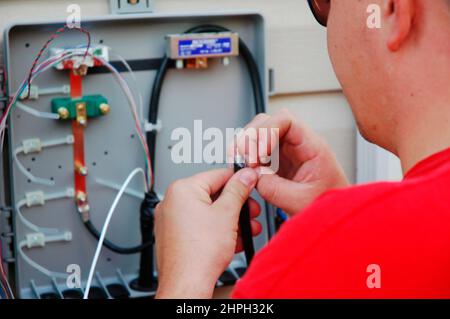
(105, 227)
(123, 84)
(43, 181)
(8, 287)
(49, 63)
(38, 267)
(23, 170)
(59, 90)
(29, 224)
(132, 103)
(42, 67)
(116, 187)
(47, 197)
(133, 76)
(36, 113)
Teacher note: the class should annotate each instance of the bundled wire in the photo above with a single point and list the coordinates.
(50, 40)
(133, 77)
(35, 265)
(36, 69)
(39, 69)
(134, 111)
(49, 63)
(5, 288)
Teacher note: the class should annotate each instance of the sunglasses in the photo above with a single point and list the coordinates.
(320, 10)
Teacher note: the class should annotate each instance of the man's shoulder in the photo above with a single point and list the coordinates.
(362, 195)
(344, 229)
(346, 203)
(297, 238)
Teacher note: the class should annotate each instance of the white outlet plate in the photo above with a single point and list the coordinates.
(125, 7)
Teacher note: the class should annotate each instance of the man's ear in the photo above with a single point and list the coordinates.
(400, 14)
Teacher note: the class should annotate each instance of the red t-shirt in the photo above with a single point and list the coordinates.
(384, 240)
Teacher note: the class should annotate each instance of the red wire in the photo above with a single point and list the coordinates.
(45, 46)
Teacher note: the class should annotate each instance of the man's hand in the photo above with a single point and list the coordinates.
(308, 167)
(197, 232)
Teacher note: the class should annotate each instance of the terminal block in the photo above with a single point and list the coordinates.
(203, 45)
(94, 106)
(74, 62)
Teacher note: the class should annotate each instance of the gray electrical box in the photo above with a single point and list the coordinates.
(131, 6)
(220, 95)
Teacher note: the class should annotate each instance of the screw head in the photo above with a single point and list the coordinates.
(104, 108)
(82, 120)
(63, 113)
(226, 61)
(180, 64)
(82, 170)
(81, 196)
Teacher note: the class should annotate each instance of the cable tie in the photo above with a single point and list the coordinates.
(35, 198)
(151, 127)
(32, 145)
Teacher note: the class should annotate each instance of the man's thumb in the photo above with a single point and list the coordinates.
(237, 190)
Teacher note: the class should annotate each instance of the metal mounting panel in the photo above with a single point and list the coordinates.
(221, 96)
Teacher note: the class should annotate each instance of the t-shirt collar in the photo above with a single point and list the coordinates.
(429, 164)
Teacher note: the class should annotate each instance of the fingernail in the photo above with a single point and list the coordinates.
(264, 159)
(263, 170)
(248, 177)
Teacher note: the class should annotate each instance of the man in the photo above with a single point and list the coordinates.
(384, 240)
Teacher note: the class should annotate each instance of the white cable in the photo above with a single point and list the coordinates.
(35, 265)
(23, 170)
(116, 187)
(42, 67)
(36, 91)
(68, 140)
(29, 224)
(64, 89)
(69, 193)
(36, 113)
(106, 225)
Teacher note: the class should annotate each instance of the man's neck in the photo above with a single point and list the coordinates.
(424, 133)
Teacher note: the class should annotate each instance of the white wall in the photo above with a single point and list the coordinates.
(304, 80)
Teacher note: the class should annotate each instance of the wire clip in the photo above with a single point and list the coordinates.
(35, 240)
(32, 145)
(39, 239)
(151, 127)
(35, 198)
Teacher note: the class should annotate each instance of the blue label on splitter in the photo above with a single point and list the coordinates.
(202, 47)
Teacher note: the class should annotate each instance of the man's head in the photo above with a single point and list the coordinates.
(392, 73)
